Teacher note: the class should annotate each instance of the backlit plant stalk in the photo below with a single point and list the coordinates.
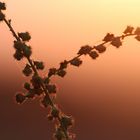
(41, 86)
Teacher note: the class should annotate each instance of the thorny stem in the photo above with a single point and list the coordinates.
(8, 23)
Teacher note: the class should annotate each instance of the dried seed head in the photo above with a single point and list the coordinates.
(18, 55)
(76, 62)
(128, 30)
(85, 50)
(93, 54)
(20, 98)
(61, 73)
(27, 71)
(2, 6)
(39, 65)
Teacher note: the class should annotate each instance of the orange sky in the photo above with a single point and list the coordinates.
(58, 29)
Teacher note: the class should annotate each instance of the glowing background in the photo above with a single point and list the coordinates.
(103, 95)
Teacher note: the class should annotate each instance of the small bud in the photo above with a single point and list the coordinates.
(85, 50)
(24, 36)
(36, 81)
(39, 65)
(52, 71)
(63, 65)
(128, 30)
(2, 6)
(108, 37)
(20, 98)
(61, 73)
(45, 102)
(116, 42)
(18, 55)
(76, 62)
(2, 16)
(137, 32)
(27, 86)
(59, 134)
(100, 48)
(66, 121)
(27, 51)
(55, 112)
(18, 45)
(137, 37)
(27, 70)
(93, 54)
(30, 94)
(51, 88)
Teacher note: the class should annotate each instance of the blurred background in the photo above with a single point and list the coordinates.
(102, 95)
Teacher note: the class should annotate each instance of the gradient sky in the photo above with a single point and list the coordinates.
(102, 95)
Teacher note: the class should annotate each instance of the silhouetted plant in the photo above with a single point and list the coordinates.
(41, 86)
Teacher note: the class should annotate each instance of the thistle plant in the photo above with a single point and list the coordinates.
(41, 86)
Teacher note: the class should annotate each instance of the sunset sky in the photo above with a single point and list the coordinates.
(102, 95)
